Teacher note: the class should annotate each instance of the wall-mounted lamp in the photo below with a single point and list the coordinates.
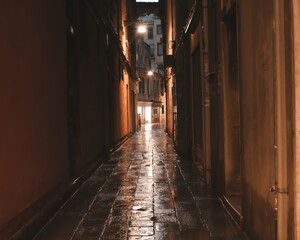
(141, 29)
(72, 30)
(131, 22)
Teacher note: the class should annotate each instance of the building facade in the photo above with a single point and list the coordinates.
(153, 37)
(70, 93)
(232, 106)
(150, 97)
(68, 97)
(151, 94)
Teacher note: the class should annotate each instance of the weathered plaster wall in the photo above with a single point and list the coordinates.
(92, 96)
(231, 103)
(169, 103)
(50, 56)
(296, 19)
(143, 54)
(121, 109)
(255, 48)
(169, 78)
(33, 139)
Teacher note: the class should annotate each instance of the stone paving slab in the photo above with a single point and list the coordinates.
(143, 191)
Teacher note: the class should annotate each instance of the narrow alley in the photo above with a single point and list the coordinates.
(150, 119)
(143, 191)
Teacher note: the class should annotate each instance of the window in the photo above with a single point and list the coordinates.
(154, 111)
(159, 49)
(162, 109)
(158, 29)
(141, 86)
(152, 63)
(162, 89)
(160, 68)
(150, 32)
(148, 87)
(152, 50)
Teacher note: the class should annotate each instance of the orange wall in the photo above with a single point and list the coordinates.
(296, 41)
(169, 98)
(169, 103)
(33, 120)
(257, 117)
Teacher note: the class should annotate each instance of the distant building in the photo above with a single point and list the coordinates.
(149, 57)
(142, 54)
(150, 97)
(153, 37)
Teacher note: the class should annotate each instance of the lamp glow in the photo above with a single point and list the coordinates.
(141, 29)
(150, 73)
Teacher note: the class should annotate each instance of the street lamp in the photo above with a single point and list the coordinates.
(141, 29)
(150, 73)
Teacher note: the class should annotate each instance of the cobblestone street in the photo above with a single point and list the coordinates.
(143, 191)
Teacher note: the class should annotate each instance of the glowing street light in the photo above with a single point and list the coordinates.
(141, 29)
(150, 73)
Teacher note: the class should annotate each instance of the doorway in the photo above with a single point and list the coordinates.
(155, 115)
(148, 114)
(133, 112)
(232, 122)
(198, 112)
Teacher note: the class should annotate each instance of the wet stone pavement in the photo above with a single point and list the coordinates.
(143, 191)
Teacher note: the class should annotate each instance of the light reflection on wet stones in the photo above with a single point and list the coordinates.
(143, 191)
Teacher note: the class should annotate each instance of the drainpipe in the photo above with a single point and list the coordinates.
(280, 139)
